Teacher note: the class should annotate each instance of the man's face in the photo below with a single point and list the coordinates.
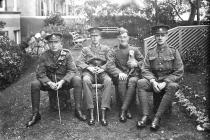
(161, 38)
(95, 39)
(124, 39)
(55, 46)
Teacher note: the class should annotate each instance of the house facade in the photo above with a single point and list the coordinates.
(10, 14)
(45, 7)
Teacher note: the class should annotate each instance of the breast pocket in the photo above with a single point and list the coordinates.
(168, 62)
(153, 62)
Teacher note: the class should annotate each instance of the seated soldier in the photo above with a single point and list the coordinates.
(56, 70)
(93, 61)
(162, 69)
(124, 64)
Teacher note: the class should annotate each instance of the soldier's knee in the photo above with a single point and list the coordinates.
(77, 81)
(107, 81)
(132, 81)
(86, 80)
(36, 84)
(172, 85)
(122, 82)
(142, 84)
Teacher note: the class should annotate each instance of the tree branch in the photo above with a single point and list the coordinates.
(177, 13)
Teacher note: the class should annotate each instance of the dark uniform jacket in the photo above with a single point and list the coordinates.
(163, 64)
(118, 58)
(93, 56)
(61, 64)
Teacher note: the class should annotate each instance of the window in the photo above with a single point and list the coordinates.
(2, 5)
(4, 33)
(17, 36)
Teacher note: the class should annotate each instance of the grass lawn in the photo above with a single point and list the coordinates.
(15, 108)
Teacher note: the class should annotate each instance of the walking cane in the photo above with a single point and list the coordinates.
(97, 97)
(58, 102)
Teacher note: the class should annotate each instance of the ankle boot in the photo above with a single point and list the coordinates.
(128, 115)
(123, 116)
(143, 122)
(91, 121)
(103, 117)
(80, 115)
(34, 119)
(155, 124)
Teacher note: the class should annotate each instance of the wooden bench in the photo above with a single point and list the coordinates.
(109, 29)
(77, 40)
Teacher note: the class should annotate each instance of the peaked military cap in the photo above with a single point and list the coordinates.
(122, 30)
(160, 29)
(54, 37)
(95, 31)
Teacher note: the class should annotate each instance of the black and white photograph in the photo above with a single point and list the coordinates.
(104, 69)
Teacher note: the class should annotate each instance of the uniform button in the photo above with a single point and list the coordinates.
(160, 63)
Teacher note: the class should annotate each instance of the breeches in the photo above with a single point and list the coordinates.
(162, 100)
(37, 86)
(88, 80)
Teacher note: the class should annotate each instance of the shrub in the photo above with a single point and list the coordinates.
(11, 62)
(194, 59)
(136, 26)
(54, 19)
(2, 24)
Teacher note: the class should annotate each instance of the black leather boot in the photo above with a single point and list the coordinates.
(34, 119)
(128, 115)
(123, 116)
(91, 121)
(103, 117)
(155, 124)
(80, 115)
(143, 122)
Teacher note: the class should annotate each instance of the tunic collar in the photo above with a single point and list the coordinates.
(162, 47)
(97, 46)
(123, 47)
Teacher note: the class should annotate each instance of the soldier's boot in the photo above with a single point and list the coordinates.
(34, 119)
(123, 116)
(155, 124)
(91, 120)
(156, 101)
(103, 117)
(121, 91)
(78, 99)
(144, 102)
(80, 115)
(145, 120)
(128, 114)
(35, 99)
(127, 101)
(164, 104)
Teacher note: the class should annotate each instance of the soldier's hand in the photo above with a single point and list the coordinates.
(92, 69)
(155, 87)
(99, 70)
(161, 85)
(123, 76)
(59, 84)
(52, 85)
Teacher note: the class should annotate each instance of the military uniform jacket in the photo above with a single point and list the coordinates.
(118, 58)
(91, 55)
(163, 64)
(60, 63)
